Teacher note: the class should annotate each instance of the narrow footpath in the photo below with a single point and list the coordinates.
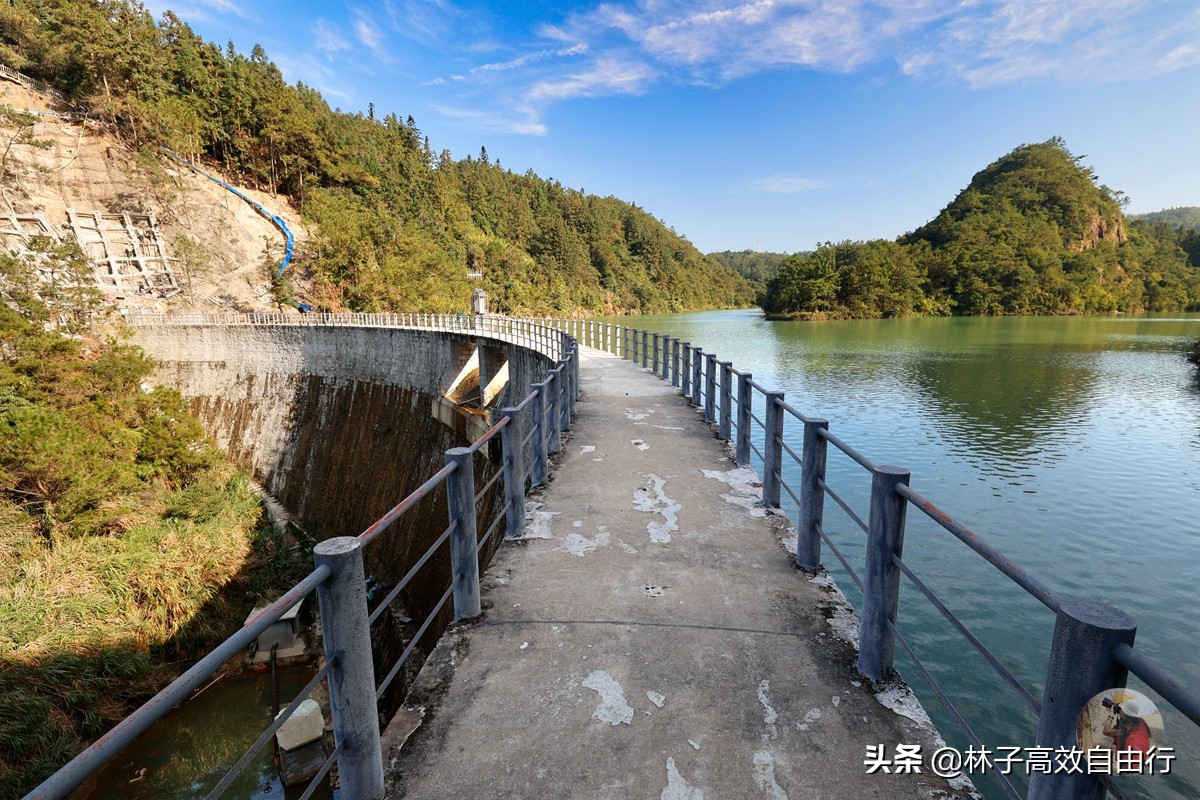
(650, 638)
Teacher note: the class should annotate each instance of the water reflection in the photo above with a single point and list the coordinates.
(1072, 444)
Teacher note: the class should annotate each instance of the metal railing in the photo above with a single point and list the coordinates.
(531, 427)
(1091, 649)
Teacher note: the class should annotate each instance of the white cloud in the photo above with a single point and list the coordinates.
(789, 184)
(494, 121)
(371, 36)
(327, 38)
(608, 76)
(531, 58)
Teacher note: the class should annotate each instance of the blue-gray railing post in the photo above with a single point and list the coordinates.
(347, 635)
(633, 338)
(697, 363)
(553, 423)
(726, 400)
(881, 577)
(772, 449)
(675, 363)
(512, 438)
(1081, 666)
(537, 410)
(568, 387)
(745, 399)
(654, 360)
(464, 541)
(710, 388)
(685, 374)
(812, 496)
(645, 348)
(666, 358)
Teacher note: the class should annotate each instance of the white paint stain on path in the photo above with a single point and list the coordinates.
(677, 787)
(745, 488)
(579, 545)
(613, 708)
(653, 500)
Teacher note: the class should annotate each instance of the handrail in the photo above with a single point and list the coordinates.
(536, 336)
(890, 489)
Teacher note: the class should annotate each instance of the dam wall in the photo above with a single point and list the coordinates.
(339, 423)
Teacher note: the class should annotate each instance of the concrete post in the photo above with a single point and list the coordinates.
(464, 541)
(645, 348)
(538, 410)
(347, 634)
(726, 400)
(697, 362)
(745, 399)
(633, 335)
(675, 362)
(812, 496)
(881, 577)
(511, 437)
(654, 359)
(666, 358)
(772, 449)
(1081, 666)
(555, 417)
(685, 373)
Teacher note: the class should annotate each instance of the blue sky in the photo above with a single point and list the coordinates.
(771, 124)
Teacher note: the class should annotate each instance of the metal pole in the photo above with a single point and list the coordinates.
(538, 411)
(772, 449)
(726, 400)
(881, 578)
(685, 379)
(511, 437)
(1081, 666)
(666, 358)
(710, 388)
(645, 348)
(633, 335)
(654, 360)
(556, 412)
(347, 635)
(697, 362)
(812, 496)
(675, 363)
(464, 541)
(568, 390)
(745, 399)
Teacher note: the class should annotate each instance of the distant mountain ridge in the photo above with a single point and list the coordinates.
(1182, 217)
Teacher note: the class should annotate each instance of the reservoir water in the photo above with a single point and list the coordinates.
(1072, 444)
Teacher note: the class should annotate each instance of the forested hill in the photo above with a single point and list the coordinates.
(398, 225)
(1033, 233)
(1184, 217)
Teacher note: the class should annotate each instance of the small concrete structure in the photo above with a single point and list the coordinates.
(301, 744)
(284, 634)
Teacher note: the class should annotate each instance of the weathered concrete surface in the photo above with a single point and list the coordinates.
(659, 644)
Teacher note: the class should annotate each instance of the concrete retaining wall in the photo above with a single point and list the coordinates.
(333, 421)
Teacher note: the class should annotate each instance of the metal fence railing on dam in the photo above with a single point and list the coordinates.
(527, 432)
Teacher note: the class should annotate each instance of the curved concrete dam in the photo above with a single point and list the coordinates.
(341, 423)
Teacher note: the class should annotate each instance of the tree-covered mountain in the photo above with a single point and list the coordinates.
(1182, 217)
(399, 225)
(1033, 233)
(755, 265)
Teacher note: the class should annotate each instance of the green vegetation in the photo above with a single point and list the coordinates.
(753, 265)
(399, 225)
(1184, 217)
(128, 544)
(1031, 234)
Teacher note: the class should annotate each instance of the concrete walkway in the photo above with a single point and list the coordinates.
(656, 643)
